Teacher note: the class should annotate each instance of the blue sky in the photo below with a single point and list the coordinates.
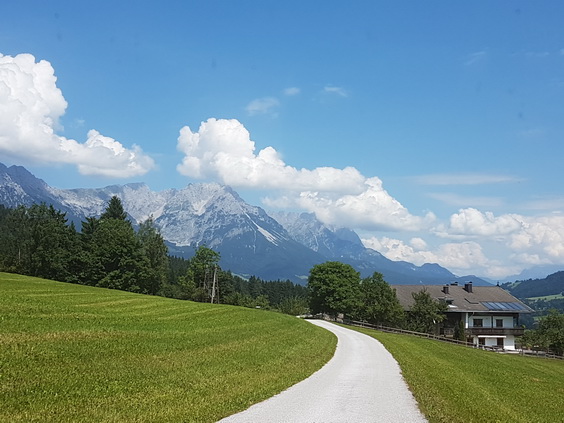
(435, 129)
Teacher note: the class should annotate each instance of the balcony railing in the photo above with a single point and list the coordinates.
(495, 331)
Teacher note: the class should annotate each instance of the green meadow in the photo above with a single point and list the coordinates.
(459, 384)
(547, 297)
(71, 353)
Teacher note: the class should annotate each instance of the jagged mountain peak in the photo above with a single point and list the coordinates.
(21, 187)
(197, 199)
(331, 241)
(250, 240)
(212, 209)
(21, 173)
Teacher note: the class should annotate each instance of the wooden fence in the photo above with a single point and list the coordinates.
(542, 354)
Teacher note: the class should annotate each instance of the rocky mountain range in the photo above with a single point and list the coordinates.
(250, 241)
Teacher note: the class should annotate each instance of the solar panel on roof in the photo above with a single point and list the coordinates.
(497, 306)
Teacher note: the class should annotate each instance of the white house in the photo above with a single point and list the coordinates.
(490, 314)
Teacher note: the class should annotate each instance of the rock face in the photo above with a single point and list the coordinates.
(19, 187)
(250, 241)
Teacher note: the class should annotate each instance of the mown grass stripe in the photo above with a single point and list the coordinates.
(108, 357)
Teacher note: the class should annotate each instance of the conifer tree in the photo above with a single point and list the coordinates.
(114, 253)
(460, 331)
(114, 210)
(14, 241)
(154, 249)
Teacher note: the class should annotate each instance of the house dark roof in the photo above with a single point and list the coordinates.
(465, 298)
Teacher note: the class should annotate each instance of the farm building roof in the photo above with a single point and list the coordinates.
(465, 298)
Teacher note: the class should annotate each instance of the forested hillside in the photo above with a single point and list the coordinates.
(542, 295)
(109, 252)
(551, 285)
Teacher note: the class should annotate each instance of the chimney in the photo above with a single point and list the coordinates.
(445, 289)
(468, 287)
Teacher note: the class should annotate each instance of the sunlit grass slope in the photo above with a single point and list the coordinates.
(459, 384)
(71, 353)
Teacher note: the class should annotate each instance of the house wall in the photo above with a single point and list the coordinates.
(489, 321)
(508, 341)
(490, 335)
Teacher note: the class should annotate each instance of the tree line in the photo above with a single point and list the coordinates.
(108, 251)
(336, 288)
(548, 334)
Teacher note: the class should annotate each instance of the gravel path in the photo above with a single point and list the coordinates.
(362, 383)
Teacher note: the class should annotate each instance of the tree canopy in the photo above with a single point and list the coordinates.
(425, 313)
(379, 303)
(334, 288)
(549, 335)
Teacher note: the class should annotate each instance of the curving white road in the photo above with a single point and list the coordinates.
(362, 383)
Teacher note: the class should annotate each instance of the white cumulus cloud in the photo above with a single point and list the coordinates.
(372, 209)
(223, 150)
(473, 222)
(461, 258)
(540, 236)
(31, 105)
(483, 244)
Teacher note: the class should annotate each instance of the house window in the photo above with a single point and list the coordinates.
(498, 323)
(500, 342)
(481, 341)
(478, 323)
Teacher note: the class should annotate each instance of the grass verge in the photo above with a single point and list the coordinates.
(459, 384)
(72, 353)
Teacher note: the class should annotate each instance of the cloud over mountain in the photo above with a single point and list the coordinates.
(525, 240)
(31, 105)
(460, 257)
(223, 150)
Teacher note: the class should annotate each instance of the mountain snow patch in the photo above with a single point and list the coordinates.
(269, 237)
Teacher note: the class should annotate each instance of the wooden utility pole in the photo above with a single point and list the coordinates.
(214, 284)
